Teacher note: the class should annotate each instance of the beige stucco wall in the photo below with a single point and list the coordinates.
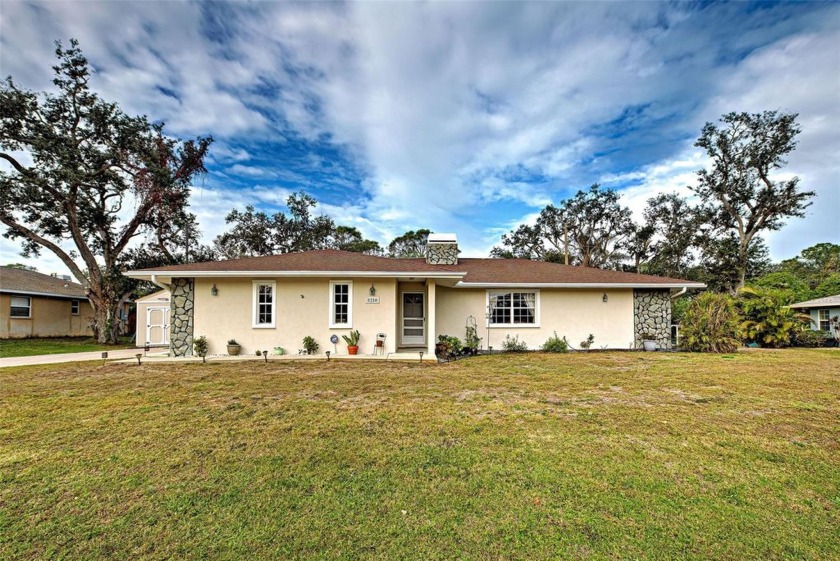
(302, 308)
(50, 317)
(158, 299)
(573, 313)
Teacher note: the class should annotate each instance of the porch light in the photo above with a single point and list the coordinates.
(214, 291)
(605, 298)
(372, 290)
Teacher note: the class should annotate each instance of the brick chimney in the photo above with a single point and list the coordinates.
(442, 249)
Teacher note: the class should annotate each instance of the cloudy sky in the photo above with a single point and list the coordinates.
(456, 116)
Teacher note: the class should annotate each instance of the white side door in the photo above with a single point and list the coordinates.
(157, 326)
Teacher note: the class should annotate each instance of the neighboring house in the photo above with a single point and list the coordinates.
(37, 305)
(822, 310)
(271, 301)
(153, 319)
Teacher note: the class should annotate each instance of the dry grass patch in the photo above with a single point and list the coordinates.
(601, 455)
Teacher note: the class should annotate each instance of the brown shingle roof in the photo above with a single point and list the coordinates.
(29, 282)
(472, 270)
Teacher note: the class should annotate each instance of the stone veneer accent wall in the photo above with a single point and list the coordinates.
(181, 317)
(442, 253)
(652, 314)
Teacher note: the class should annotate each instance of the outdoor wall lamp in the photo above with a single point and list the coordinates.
(372, 290)
(214, 291)
(605, 298)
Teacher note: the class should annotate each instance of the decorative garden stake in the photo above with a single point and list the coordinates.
(265, 354)
(328, 356)
(421, 357)
(139, 356)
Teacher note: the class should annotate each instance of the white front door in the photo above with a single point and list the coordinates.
(157, 326)
(413, 332)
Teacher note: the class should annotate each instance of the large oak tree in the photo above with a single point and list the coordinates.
(81, 173)
(742, 187)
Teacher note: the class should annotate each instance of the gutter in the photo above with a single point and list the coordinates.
(683, 286)
(49, 294)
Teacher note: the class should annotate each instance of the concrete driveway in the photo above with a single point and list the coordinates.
(115, 354)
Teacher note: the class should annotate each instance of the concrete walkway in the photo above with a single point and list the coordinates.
(114, 354)
(128, 356)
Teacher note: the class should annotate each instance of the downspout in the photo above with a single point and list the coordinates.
(675, 295)
(167, 287)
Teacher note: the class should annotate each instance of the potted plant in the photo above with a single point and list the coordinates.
(233, 347)
(279, 351)
(352, 341)
(472, 341)
(649, 342)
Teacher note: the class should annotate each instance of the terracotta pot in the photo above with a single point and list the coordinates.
(352, 349)
(233, 350)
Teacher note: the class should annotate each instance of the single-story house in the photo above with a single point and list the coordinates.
(37, 305)
(152, 319)
(822, 310)
(277, 300)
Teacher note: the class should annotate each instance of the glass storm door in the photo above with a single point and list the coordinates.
(413, 319)
(157, 326)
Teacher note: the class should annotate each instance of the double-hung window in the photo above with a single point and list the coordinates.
(825, 323)
(513, 308)
(341, 304)
(21, 307)
(74, 307)
(265, 303)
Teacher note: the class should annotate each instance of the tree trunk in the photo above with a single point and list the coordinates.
(106, 320)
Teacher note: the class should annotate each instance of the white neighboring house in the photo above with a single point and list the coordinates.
(153, 319)
(824, 313)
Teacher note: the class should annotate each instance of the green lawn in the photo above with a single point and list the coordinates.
(56, 345)
(584, 456)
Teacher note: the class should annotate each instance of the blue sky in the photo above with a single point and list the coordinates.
(456, 116)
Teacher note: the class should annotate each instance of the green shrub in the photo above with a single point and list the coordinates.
(811, 338)
(710, 324)
(451, 343)
(556, 345)
(200, 346)
(310, 345)
(514, 345)
(765, 317)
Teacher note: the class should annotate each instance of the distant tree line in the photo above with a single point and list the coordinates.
(716, 240)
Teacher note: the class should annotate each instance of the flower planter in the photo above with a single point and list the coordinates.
(352, 349)
(233, 350)
(279, 351)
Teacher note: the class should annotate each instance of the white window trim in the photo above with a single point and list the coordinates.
(255, 300)
(28, 316)
(78, 308)
(827, 319)
(513, 325)
(332, 323)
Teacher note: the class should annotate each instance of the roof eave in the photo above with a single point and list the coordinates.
(147, 275)
(578, 285)
(48, 294)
